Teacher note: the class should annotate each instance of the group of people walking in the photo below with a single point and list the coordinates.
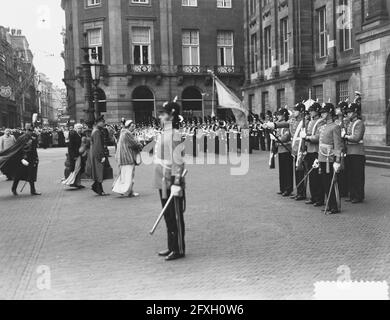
(323, 147)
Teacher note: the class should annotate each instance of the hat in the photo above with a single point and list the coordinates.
(316, 107)
(128, 123)
(353, 107)
(300, 107)
(100, 119)
(171, 108)
(358, 93)
(283, 112)
(78, 126)
(343, 106)
(328, 108)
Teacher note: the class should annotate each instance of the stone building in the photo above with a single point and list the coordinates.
(327, 48)
(17, 79)
(153, 51)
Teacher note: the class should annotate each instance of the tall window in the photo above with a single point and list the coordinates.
(318, 93)
(225, 44)
(344, 23)
(189, 3)
(267, 48)
(252, 7)
(342, 91)
(281, 96)
(141, 46)
(265, 101)
(251, 102)
(322, 34)
(254, 53)
(190, 46)
(224, 3)
(93, 3)
(95, 42)
(284, 40)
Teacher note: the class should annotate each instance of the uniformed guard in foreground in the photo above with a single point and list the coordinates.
(312, 142)
(356, 158)
(330, 146)
(169, 168)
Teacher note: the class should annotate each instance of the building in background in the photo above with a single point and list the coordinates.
(46, 100)
(331, 48)
(153, 51)
(17, 79)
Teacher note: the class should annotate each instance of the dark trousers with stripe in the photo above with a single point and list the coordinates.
(356, 176)
(326, 179)
(174, 219)
(299, 175)
(315, 183)
(286, 173)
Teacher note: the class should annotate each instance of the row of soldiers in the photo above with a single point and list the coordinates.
(327, 152)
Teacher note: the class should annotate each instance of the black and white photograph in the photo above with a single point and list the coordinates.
(179, 152)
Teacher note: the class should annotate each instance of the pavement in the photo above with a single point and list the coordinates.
(243, 241)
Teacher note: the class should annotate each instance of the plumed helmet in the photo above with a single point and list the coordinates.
(353, 107)
(343, 106)
(283, 112)
(328, 108)
(315, 107)
(300, 107)
(171, 108)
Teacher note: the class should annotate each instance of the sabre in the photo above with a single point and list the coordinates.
(304, 179)
(330, 192)
(165, 208)
(24, 186)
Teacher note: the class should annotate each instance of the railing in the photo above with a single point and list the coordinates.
(184, 69)
(143, 68)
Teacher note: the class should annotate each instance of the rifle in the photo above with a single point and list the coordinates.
(302, 148)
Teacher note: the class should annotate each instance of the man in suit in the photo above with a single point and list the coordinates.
(75, 138)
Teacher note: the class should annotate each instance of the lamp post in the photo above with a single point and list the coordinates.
(86, 66)
(96, 72)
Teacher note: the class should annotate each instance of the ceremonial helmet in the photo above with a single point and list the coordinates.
(328, 108)
(283, 112)
(300, 107)
(316, 107)
(171, 108)
(354, 107)
(343, 106)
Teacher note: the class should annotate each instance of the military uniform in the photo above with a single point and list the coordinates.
(169, 168)
(286, 173)
(330, 146)
(313, 138)
(356, 159)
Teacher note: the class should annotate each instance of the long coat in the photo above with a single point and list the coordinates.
(95, 167)
(11, 159)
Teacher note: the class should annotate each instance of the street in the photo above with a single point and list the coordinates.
(243, 241)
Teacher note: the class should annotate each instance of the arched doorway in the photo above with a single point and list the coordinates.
(387, 88)
(143, 104)
(192, 102)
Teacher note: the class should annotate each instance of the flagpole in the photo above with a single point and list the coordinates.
(213, 98)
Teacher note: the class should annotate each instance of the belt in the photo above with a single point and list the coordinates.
(330, 153)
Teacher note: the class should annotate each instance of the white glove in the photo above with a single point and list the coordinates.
(25, 163)
(337, 167)
(270, 125)
(303, 134)
(343, 133)
(316, 164)
(104, 160)
(176, 191)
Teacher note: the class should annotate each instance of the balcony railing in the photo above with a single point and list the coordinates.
(143, 68)
(228, 70)
(153, 69)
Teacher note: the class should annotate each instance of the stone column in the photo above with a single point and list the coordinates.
(115, 31)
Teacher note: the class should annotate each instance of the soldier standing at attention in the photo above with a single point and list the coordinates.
(169, 168)
(286, 173)
(313, 138)
(295, 125)
(356, 158)
(330, 155)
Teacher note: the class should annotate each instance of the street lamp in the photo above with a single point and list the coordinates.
(96, 73)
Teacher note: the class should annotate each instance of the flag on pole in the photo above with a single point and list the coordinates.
(228, 100)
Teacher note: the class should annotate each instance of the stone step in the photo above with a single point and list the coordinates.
(378, 164)
(379, 148)
(378, 159)
(378, 153)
